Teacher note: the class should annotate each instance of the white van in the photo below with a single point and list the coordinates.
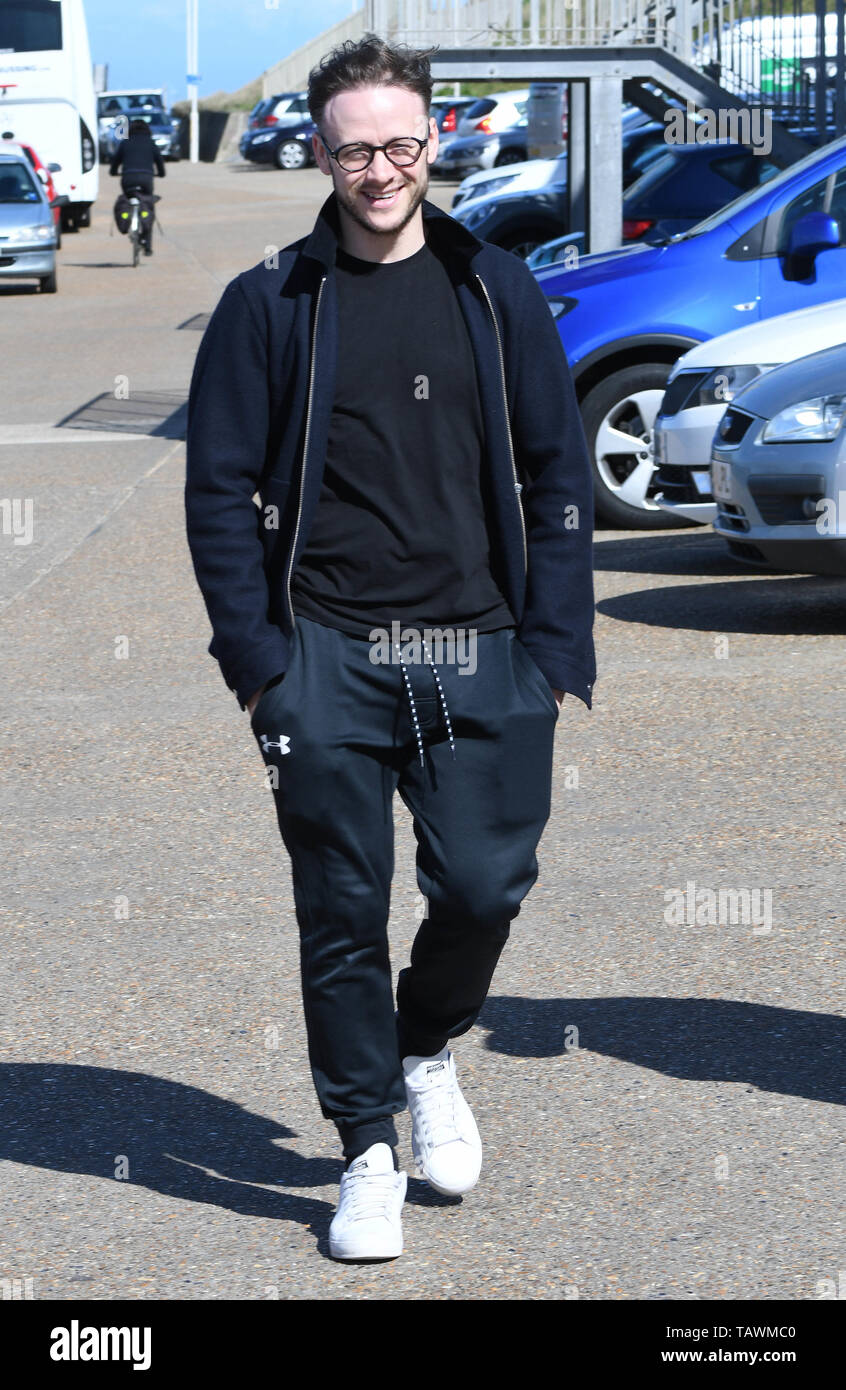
(47, 95)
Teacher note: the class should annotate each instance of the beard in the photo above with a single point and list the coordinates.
(348, 202)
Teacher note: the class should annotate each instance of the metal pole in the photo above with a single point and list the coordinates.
(192, 59)
(819, 85)
(840, 71)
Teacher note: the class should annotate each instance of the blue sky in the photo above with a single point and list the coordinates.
(144, 42)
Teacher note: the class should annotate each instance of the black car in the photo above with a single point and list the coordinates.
(286, 144)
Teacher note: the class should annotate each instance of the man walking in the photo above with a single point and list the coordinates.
(405, 609)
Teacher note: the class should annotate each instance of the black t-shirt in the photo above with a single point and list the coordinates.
(400, 532)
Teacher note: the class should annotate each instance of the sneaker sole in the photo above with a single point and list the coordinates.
(342, 1251)
(444, 1191)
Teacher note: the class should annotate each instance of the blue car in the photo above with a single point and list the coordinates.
(625, 316)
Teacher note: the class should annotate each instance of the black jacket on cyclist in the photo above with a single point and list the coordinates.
(137, 156)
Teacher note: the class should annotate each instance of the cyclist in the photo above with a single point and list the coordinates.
(138, 155)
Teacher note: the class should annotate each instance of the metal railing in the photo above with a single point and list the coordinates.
(767, 51)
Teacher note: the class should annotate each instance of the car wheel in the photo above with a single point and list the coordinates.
(509, 157)
(618, 415)
(83, 218)
(48, 283)
(526, 240)
(290, 154)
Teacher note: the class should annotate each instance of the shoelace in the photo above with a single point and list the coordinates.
(436, 1108)
(369, 1194)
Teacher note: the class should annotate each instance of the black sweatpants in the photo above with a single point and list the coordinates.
(338, 734)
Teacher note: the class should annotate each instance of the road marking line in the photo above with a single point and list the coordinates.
(55, 434)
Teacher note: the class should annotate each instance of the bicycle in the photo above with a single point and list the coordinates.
(138, 216)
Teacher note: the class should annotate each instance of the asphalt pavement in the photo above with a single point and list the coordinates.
(659, 1089)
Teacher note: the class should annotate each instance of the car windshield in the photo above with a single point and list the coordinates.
(17, 185)
(654, 173)
(746, 200)
(133, 101)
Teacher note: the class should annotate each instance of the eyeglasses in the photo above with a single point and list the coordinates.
(401, 152)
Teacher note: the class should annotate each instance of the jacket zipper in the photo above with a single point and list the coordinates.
(518, 486)
(305, 455)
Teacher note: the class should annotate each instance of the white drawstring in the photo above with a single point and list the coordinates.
(415, 721)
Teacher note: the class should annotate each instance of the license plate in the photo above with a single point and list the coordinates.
(721, 480)
(702, 481)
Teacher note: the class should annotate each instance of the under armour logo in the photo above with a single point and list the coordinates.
(283, 744)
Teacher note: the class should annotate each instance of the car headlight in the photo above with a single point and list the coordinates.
(473, 216)
(724, 383)
(491, 185)
(815, 420)
(43, 232)
(559, 305)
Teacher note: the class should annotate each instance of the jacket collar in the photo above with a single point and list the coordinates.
(445, 232)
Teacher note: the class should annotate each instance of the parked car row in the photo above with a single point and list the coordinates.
(757, 446)
(709, 378)
(667, 191)
(775, 248)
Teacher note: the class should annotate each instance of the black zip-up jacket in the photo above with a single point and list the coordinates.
(259, 409)
(137, 154)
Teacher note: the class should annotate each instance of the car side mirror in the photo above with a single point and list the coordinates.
(55, 168)
(811, 234)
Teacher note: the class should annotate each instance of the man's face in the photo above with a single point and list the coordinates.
(380, 198)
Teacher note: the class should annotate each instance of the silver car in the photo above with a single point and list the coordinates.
(468, 154)
(27, 226)
(493, 113)
(778, 467)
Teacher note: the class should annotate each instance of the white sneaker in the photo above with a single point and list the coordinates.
(367, 1224)
(444, 1137)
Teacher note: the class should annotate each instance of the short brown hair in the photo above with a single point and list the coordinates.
(369, 62)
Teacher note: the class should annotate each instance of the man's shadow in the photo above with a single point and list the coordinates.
(786, 1051)
(175, 1139)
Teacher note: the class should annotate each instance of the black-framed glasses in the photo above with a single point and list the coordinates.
(402, 152)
